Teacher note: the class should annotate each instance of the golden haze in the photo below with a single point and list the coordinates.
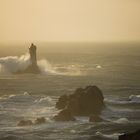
(70, 20)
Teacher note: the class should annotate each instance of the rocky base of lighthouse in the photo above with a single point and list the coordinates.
(30, 69)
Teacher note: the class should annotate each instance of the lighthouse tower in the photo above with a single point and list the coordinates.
(32, 51)
(33, 67)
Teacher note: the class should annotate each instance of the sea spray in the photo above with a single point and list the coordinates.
(45, 67)
(13, 64)
(67, 70)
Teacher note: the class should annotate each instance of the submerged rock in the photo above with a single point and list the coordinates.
(25, 123)
(64, 115)
(30, 69)
(40, 120)
(62, 102)
(95, 118)
(130, 136)
(83, 102)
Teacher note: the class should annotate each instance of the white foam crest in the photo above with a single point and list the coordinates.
(25, 95)
(19, 98)
(46, 67)
(11, 96)
(98, 66)
(134, 98)
(47, 100)
(38, 111)
(122, 121)
(115, 101)
(113, 136)
(12, 64)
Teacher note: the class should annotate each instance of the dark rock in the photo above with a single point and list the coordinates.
(130, 136)
(64, 115)
(40, 120)
(25, 123)
(61, 104)
(83, 102)
(95, 118)
(30, 69)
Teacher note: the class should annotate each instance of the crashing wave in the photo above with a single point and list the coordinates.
(28, 64)
(14, 64)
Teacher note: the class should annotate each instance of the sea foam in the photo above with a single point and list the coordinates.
(122, 120)
(13, 64)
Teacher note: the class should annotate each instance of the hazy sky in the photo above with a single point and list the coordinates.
(69, 20)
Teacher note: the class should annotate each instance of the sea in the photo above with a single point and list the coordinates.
(113, 67)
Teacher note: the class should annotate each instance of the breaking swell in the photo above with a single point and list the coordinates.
(13, 64)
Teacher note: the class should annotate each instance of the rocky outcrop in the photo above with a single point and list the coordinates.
(30, 69)
(25, 123)
(83, 102)
(95, 118)
(62, 102)
(40, 120)
(64, 115)
(130, 136)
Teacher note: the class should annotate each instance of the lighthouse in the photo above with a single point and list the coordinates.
(32, 67)
(32, 52)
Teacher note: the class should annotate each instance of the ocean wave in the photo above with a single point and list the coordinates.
(68, 70)
(98, 66)
(13, 64)
(121, 121)
(132, 99)
(113, 136)
(26, 99)
(28, 106)
(23, 96)
(14, 96)
(45, 100)
(16, 101)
